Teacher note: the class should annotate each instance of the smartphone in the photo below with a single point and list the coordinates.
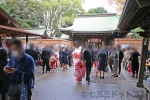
(8, 68)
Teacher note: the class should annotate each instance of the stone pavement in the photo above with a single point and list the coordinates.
(62, 85)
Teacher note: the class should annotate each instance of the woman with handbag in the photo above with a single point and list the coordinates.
(4, 80)
(115, 56)
(102, 62)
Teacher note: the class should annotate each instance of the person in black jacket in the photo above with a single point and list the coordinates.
(4, 80)
(45, 57)
(32, 53)
(60, 55)
(70, 56)
(135, 61)
(121, 56)
(39, 56)
(88, 57)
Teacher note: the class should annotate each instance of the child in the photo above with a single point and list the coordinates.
(130, 67)
(79, 70)
(52, 63)
(56, 62)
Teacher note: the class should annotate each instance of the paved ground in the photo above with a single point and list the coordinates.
(61, 85)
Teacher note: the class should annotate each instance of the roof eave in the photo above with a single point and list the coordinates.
(15, 23)
(125, 12)
(109, 31)
(131, 14)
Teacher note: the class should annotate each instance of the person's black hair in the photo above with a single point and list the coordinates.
(3, 54)
(124, 50)
(16, 42)
(90, 46)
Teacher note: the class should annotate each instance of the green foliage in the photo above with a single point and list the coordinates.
(135, 32)
(28, 12)
(60, 13)
(5, 7)
(52, 14)
(98, 10)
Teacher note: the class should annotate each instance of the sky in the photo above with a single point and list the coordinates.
(98, 3)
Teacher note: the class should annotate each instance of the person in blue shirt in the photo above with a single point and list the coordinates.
(20, 63)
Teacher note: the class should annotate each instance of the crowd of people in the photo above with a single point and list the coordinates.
(20, 64)
(111, 56)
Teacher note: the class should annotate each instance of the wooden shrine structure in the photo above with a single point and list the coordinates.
(136, 13)
(99, 29)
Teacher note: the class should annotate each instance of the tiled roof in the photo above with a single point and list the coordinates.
(16, 31)
(39, 31)
(94, 23)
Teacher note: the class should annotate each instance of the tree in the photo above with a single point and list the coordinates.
(98, 10)
(49, 13)
(5, 7)
(28, 12)
(59, 12)
(135, 32)
(118, 4)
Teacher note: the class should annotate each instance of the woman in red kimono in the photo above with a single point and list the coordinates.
(79, 70)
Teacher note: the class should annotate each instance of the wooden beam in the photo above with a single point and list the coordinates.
(26, 41)
(145, 23)
(145, 44)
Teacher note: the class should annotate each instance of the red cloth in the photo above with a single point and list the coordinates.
(52, 64)
(130, 67)
(79, 70)
(41, 62)
(76, 55)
